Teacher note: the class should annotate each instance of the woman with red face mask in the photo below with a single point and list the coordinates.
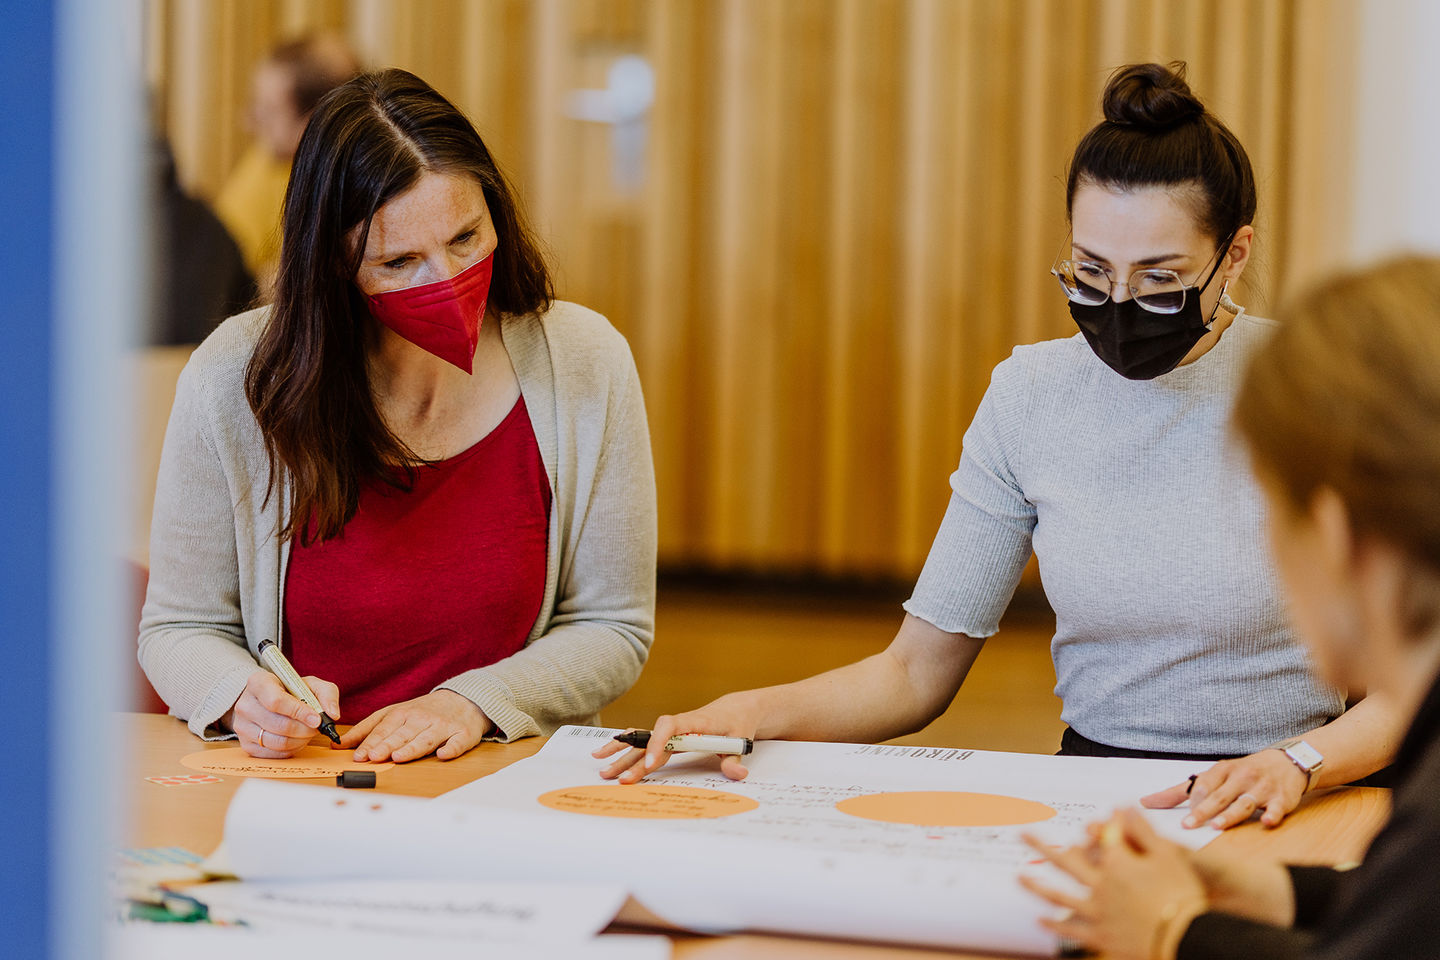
(417, 472)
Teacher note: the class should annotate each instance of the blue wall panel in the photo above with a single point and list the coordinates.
(27, 76)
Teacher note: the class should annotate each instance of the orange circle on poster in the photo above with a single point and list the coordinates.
(946, 808)
(310, 763)
(647, 801)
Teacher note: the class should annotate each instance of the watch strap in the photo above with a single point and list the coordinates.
(1306, 758)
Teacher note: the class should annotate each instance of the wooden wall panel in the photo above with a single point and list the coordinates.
(847, 213)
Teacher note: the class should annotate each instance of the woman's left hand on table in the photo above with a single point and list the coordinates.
(441, 722)
(1232, 791)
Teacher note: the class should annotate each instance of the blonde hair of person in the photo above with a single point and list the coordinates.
(1346, 395)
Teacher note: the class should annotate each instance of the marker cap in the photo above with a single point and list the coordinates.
(363, 779)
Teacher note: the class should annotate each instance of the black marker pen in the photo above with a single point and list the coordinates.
(276, 663)
(691, 742)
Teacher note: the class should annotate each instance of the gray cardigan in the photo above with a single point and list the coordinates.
(218, 567)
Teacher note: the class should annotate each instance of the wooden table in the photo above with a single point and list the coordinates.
(1330, 827)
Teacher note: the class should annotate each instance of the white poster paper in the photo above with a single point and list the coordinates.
(177, 941)
(900, 844)
(509, 911)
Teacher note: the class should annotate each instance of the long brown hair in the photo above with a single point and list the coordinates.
(1346, 396)
(307, 382)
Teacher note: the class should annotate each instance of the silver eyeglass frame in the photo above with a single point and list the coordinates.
(1216, 258)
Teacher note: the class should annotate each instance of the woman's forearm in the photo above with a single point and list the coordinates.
(1359, 742)
(894, 692)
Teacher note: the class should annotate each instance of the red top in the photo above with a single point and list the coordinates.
(423, 585)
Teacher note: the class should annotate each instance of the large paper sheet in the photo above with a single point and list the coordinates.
(496, 911)
(886, 843)
(173, 941)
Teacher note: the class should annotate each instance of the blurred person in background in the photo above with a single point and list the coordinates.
(1107, 455)
(199, 276)
(417, 472)
(284, 90)
(1341, 414)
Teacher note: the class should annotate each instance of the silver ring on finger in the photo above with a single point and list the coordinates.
(260, 737)
(1246, 796)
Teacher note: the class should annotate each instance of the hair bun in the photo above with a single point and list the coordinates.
(1150, 96)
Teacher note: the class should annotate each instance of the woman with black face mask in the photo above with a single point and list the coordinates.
(1106, 455)
(1340, 414)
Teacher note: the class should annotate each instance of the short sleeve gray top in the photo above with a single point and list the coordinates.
(1149, 531)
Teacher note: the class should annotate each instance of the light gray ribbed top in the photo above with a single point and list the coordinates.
(1170, 635)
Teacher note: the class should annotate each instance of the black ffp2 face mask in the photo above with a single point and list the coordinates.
(1138, 344)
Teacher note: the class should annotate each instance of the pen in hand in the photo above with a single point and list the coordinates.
(276, 663)
(696, 742)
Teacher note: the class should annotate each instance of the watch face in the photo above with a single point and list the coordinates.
(1305, 756)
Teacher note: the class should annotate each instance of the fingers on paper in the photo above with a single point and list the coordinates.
(357, 734)
(666, 726)
(1059, 898)
(441, 722)
(1078, 862)
(259, 742)
(1167, 798)
(264, 732)
(1073, 921)
(1233, 791)
(387, 735)
(258, 738)
(1071, 927)
(409, 743)
(1139, 833)
(630, 759)
(456, 744)
(733, 768)
(696, 721)
(634, 764)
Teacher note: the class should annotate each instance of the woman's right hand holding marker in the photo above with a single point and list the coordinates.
(270, 723)
(732, 715)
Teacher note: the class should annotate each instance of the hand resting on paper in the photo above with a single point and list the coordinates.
(1230, 792)
(270, 723)
(1139, 889)
(441, 722)
(732, 715)
(1142, 891)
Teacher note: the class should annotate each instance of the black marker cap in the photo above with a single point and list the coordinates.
(634, 738)
(364, 779)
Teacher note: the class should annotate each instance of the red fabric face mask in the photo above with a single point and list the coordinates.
(442, 317)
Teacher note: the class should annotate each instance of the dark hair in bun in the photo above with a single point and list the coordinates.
(1157, 133)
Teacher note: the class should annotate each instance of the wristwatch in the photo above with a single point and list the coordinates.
(1305, 757)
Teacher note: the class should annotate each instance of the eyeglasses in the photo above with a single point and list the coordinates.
(1155, 289)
